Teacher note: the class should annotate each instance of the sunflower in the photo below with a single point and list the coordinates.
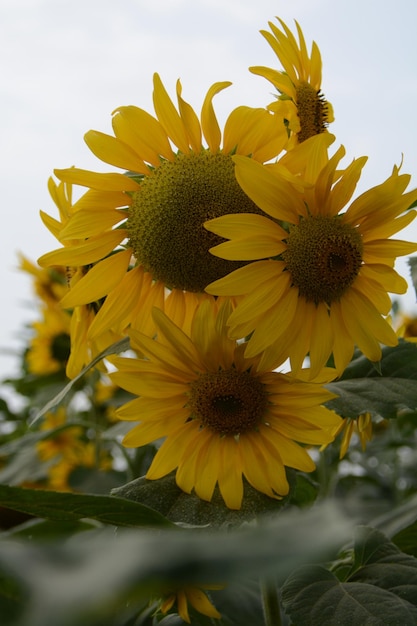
(222, 416)
(49, 285)
(195, 596)
(362, 426)
(301, 104)
(66, 448)
(82, 349)
(142, 231)
(319, 282)
(49, 348)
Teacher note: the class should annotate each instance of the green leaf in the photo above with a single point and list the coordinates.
(362, 388)
(71, 506)
(165, 496)
(406, 540)
(313, 596)
(381, 588)
(115, 348)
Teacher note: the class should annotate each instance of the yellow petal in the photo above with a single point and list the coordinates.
(209, 123)
(169, 116)
(191, 121)
(87, 223)
(91, 251)
(114, 151)
(97, 180)
(239, 282)
(230, 472)
(272, 193)
(98, 281)
(119, 304)
(143, 133)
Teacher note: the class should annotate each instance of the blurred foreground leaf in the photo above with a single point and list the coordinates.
(95, 576)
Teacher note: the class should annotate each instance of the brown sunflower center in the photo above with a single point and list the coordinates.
(228, 401)
(166, 219)
(312, 111)
(324, 257)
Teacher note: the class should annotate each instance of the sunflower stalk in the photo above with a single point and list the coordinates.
(270, 601)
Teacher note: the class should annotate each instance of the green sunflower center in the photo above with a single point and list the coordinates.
(312, 111)
(228, 402)
(324, 257)
(166, 219)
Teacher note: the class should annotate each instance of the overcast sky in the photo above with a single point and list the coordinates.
(65, 65)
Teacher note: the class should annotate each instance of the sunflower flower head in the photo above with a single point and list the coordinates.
(361, 426)
(222, 416)
(141, 231)
(197, 597)
(301, 103)
(319, 283)
(49, 348)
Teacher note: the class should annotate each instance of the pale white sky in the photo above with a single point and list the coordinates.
(65, 65)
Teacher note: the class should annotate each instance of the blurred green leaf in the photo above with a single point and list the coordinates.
(70, 506)
(382, 588)
(406, 539)
(90, 579)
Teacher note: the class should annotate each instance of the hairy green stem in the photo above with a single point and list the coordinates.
(270, 602)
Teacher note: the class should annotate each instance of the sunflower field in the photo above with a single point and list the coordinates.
(215, 420)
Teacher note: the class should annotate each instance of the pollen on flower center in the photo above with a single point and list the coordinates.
(165, 223)
(228, 402)
(323, 256)
(312, 111)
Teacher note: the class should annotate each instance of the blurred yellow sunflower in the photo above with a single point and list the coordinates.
(50, 284)
(82, 349)
(65, 448)
(407, 327)
(142, 231)
(195, 596)
(319, 283)
(49, 348)
(221, 415)
(362, 426)
(301, 104)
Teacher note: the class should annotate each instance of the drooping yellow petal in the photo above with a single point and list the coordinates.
(191, 121)
(209, 123)
(368, 329)
(230, 472)
(198, 599)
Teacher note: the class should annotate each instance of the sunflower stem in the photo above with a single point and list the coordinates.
(270, 602)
